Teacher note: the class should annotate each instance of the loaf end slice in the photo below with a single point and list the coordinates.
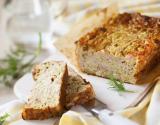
(79, 91)
(47, 98)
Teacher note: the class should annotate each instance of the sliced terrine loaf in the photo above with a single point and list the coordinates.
(127, 46)
(55, 89)
(48, 96)
(78, 90)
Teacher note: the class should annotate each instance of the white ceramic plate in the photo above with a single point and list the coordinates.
(111, 98)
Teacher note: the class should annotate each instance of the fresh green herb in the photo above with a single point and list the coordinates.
(38, 51)
(3, 118)
(18, 62)
(118, 85)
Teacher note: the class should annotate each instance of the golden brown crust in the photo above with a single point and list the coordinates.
(125, 35)
(135, 23)
(90, 103)
(39, 114)
(151, 64)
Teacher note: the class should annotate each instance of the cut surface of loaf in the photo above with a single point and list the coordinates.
(79, 91)
(47, 98)
(81, 27)
(127, 46)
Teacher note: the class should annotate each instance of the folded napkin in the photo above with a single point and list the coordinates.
(153, 112)
(76, 116)
(79, 116)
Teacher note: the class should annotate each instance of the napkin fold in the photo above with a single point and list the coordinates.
(12, 108)
(76, 116)
(79, 116)
(153, 112)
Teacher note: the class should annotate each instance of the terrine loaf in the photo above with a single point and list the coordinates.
(78, 90)
(48, 96)
(56, 88)
(127, 46)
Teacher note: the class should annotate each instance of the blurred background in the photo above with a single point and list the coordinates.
(33, 23)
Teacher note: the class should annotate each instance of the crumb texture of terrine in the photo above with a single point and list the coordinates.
(47, 98)
(78, 90)
(127, 46)
(56, 88)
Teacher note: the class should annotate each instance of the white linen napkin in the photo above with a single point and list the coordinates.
(79, 115)
(153, 113)
(14, 109)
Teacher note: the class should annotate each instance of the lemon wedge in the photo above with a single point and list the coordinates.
(76, 118)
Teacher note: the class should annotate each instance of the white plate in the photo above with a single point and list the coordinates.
(111, 98)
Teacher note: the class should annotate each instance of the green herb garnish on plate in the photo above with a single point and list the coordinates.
(17, 62)
(117, 85)
(3, 118)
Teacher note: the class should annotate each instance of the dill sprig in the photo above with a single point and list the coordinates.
(117, 85)
(38, 50)
(18, 62)
(3, 118)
